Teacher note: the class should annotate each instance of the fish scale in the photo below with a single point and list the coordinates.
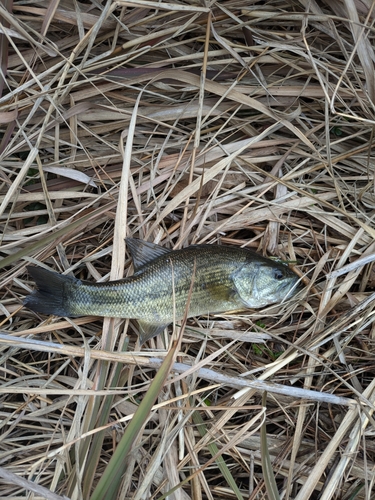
(200, 279)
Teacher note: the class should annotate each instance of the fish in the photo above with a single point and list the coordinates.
(168, 285)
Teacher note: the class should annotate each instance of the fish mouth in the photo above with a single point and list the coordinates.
(292, 287)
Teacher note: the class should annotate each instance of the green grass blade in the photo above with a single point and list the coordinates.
(214, 450)
(111, 478)
(268, 475)
(219, 461)
(100, 415)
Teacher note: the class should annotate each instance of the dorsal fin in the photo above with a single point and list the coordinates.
(143, 252)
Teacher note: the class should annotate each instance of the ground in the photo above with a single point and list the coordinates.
(188, 122)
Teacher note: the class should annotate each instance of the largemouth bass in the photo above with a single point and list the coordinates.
(205, 278)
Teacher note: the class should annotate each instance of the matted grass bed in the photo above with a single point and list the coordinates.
(220, 122)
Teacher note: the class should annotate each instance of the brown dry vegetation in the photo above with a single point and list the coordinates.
(222, 122)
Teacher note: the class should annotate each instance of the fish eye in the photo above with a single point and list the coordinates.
(278, 275)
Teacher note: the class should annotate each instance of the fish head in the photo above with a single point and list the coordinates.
(263, 282)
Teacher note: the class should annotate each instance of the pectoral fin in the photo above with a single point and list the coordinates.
(149, 330)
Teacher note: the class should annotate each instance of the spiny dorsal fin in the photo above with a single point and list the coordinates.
(143, 252)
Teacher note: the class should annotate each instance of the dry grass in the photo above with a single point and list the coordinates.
(227, 122)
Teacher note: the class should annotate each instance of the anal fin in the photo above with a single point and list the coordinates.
(148, 330)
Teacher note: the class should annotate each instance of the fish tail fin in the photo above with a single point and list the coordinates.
(52, 294)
